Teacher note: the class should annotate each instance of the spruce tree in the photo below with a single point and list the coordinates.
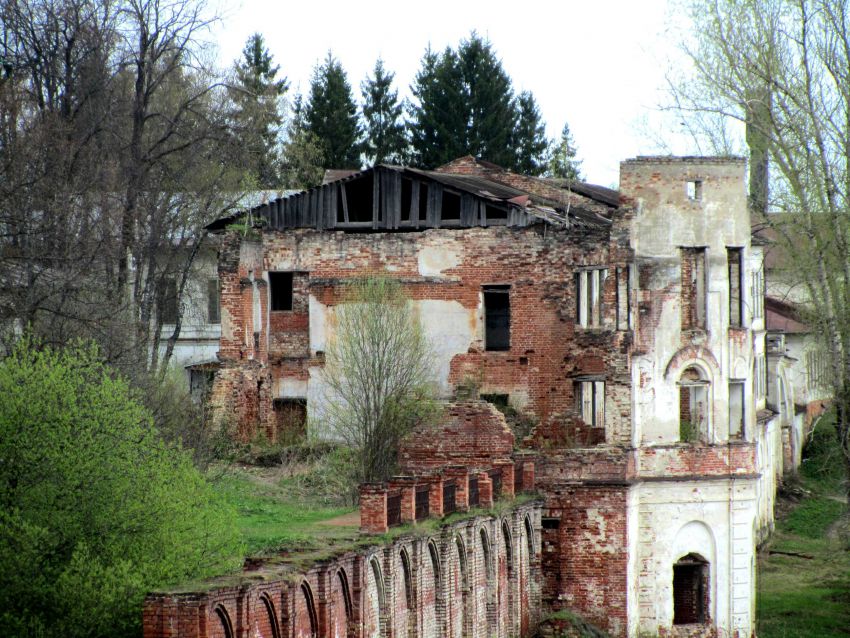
(331, 115)
(438, 119)
(385, 139)
(562, 159)
(530, 143)
(257, 97)
(302, 152)
(492, 114)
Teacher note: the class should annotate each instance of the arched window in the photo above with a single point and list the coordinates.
(226, 628)
(408, 581)
(506, 536)
(690, 590)
(693, 405)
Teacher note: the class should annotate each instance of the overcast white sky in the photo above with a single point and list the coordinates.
(597, 65)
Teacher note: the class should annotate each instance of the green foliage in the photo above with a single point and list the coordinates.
(257, 96)
(530, 141)
(813, 517)
(331, 115)
(303, 154)
(688, 432)
(385, 140)
(378, 373)
(95, 508)
(272, 516)
(465, 105)
(823, 461)
(562, 157)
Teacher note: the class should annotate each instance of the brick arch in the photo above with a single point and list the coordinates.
(223, 628)
(486, 585)
(267, 623)
(525, 556)
(405, 599)
(692, 356)
(430, 595)
(505, 578)
(341, 621)
(305, 621)
(374, 603)
(457, 590)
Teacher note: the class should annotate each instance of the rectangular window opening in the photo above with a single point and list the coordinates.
(590, 402)
(290, 417)
(495, 213)
(736, 410)
(451, 206)
(497, 318)
(406, 195)
(590, 288)
(168, 300)
(694, 190)
(690, 593)
(693, 288)
(280, 286)
(734, 257)
(213, 303)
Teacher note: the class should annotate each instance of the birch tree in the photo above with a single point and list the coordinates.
(379, 374)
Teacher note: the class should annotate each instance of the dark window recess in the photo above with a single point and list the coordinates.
(494, 212)
(168, 300)
(500, 401)
(693, 288)
(451, 206)
(406, 194)
(690, 591)
(496, 478)
(517, 480)
(290, 418)
(359, 199)
(422, 507)
(550, 523)
(200, 383)
(423, 201)
(280, 285)
(734, 257)
(474, 499)
(497, 318)
(393, 510)
(213, 308)
(449, 490)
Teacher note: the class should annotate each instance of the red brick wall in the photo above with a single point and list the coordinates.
(471, 433)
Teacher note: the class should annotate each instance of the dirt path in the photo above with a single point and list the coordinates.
(346, 520)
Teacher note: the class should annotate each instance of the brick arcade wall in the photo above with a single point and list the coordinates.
(417, 585)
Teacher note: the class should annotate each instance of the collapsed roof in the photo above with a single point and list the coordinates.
(387, 197)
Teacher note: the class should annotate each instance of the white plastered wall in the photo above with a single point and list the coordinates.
(711, 519)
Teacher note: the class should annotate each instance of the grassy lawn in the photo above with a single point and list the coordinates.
(272, 519)
(801, 597)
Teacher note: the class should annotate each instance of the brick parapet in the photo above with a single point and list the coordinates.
(506, 469)
(406, 486)
(485, 490)
(373, 508)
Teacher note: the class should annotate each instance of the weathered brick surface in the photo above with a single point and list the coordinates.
(432, 586)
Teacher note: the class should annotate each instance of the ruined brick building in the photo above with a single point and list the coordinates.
(628, 324)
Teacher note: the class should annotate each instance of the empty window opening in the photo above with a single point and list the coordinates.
(693, 406)
(760, 376)
(290, 417)
(359, 198)
(694, 190)
(496, 213)
(200, 383)
(590, 285)
(500, 401)
(423, 201)
(213, 304)
(690, 591)
(623, 299)
(736, 306)
(406, 199)
(693, 287)
(451, 206)
(168, 300)
(497, 317)
(757, 293)
(280, 286)
(590, 402)
(736, 410)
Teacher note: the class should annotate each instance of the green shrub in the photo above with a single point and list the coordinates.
(95, 508)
